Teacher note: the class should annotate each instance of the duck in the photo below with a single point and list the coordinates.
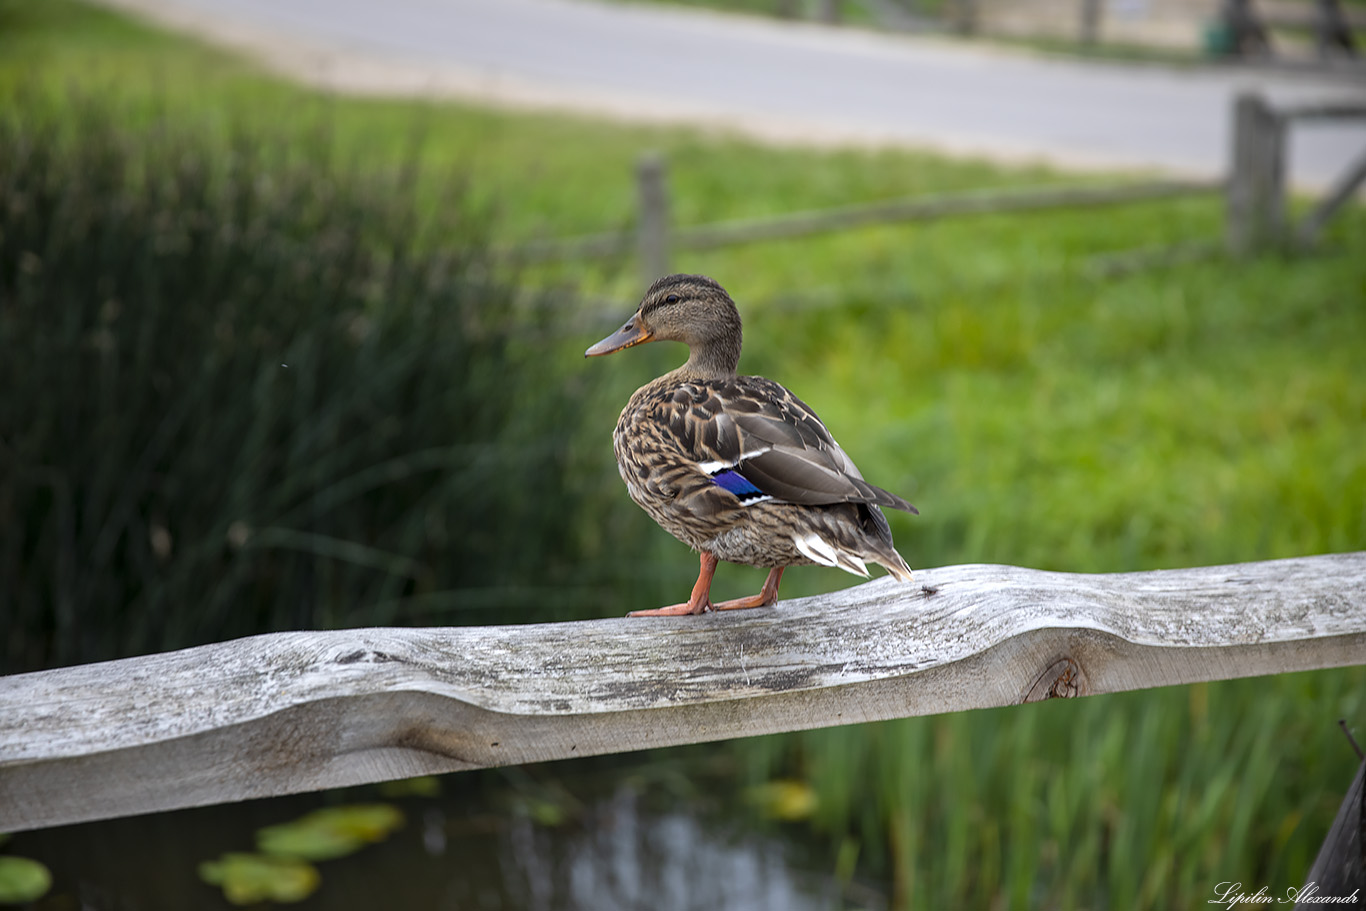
(737, 467)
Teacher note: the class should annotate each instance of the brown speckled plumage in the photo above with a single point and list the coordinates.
(737, 467)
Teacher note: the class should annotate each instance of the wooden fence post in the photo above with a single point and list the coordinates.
(1256, 183)
(1247, 35)
(1332, 31)
(964, 16)
(1090, 22)
(653, 229)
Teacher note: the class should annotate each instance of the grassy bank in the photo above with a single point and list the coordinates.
(1036, 414)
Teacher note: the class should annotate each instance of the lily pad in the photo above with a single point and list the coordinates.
(22, 880)
(785, 799)
(250, 878)
(421, 786)
(330, 833)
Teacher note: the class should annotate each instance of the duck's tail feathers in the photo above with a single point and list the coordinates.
(896, 566)
(818, 550)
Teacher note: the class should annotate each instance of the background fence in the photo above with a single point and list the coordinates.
(1256, 190)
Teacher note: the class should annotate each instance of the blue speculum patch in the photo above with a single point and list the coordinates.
(737, 484)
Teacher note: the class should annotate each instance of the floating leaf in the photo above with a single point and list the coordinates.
(785, 799)
(306, 842)
(250, 878)
(22, 880)
(330, 833)
(546, 813)
(421, 786)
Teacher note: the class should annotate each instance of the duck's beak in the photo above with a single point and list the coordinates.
(633, 333)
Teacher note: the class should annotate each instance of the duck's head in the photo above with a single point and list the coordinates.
(691, 309)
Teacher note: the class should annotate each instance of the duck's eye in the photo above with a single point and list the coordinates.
(671, 299)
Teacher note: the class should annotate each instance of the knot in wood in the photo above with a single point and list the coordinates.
(1062, 680)
(368, 656)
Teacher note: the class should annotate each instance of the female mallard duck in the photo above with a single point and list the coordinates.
(737, 467)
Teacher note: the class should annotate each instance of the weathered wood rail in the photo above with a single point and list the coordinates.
(655, 238)
(290, 712)
(1257, 197)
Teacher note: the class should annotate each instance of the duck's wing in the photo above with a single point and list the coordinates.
(756, 439)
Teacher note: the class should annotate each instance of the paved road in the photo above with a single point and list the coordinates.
(789, 81)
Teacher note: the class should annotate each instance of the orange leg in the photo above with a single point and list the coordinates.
(699, 603)
(767, 597)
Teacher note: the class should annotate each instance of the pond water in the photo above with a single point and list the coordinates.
(571, 840)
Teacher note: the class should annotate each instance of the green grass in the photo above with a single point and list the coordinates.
(1036, 414)
(1142, 800)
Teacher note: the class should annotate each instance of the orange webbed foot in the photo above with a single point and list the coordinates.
(673, 610)
(700, 602)
(767, 597)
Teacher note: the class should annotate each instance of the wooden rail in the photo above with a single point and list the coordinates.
(1257, 198)
(655, 238)
(301, 711)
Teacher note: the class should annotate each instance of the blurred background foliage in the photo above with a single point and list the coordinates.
(265, 391)
(263, 371)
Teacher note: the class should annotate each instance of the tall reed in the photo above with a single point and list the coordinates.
(247, 389)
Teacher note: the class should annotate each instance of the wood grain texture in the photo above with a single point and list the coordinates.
(290, 712)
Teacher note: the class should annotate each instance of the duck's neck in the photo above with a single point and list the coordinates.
(714, 359)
